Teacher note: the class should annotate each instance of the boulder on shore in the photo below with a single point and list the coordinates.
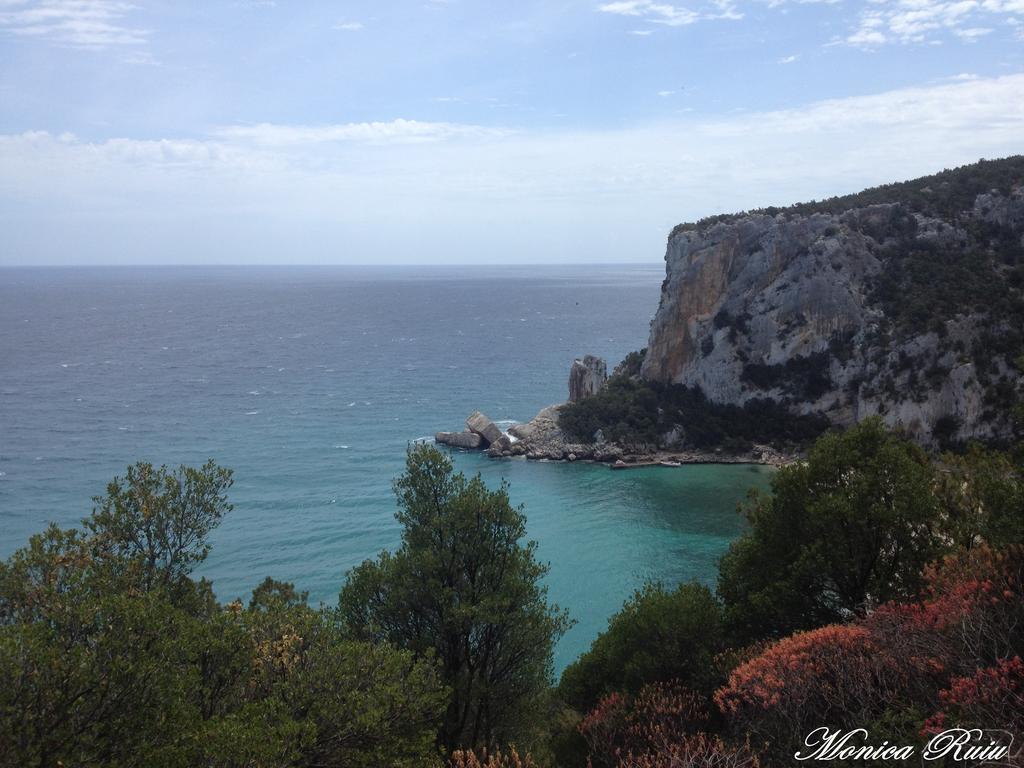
(484, 427)
(467, 439)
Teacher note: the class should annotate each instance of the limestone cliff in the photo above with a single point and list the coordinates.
(904, 301)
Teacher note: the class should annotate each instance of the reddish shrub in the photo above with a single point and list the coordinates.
(511, 759)
(990, 698)
(837, 675)
(695, 751)
(656, 721)
(946, 653)
(975, 599)
(604, 729)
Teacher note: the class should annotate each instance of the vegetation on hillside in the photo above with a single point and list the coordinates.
(876, 587)
(637, 413)
(941, 195)
(113, 655)
(464, 590)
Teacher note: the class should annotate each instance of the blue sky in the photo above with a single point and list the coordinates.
(441, 131)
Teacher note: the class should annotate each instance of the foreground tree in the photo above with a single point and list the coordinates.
(112, 655)
(464, 589)
(659, 635)
(851, 527)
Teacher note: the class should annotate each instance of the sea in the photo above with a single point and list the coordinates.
(310, 383)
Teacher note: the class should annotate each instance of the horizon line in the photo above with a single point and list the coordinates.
(659, 262)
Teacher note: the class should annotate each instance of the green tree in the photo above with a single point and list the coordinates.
(155, 521)
(659, 635)
(981, 495)
(463, 589)
(112, 655)
(850, 527)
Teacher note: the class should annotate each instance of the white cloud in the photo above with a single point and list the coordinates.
(641, 32)
(973, 33)
(392, 132)
(924, 21)
(789, 59)
(94, 24)
(668, 14)
(362, 192)
(663, 94)
(349, 26)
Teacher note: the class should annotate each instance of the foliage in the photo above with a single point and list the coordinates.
(836, 675)
(664, 725)
(941, 195)
(851, 527)
(990, 697)
(954, 653)
(981, 493)
(659, 635)
(639, 413)
(462, 588)
(113, 656)
(631, 364)
(660, 714)
(497, 759)
(804, 378)
(157, 521)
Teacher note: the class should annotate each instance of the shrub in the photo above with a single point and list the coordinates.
(659, 635)
(497, 759)
(111, 654)
(991, 698)
(637, 413)
(866, 489)
(664, 725)
(836, 675)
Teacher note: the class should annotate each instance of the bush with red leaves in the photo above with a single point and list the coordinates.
(659, 715)
(497, 759)
(955, 653)
(837, 675)
(695, 751)
(991, 698)
(663, 726)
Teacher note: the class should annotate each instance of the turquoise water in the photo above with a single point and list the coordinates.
(310, 382)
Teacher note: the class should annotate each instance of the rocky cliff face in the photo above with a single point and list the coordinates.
(911, 309)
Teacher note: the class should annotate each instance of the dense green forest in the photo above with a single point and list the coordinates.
(877, 586)
(637, 414)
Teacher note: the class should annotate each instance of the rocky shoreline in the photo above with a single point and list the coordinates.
(541, 439)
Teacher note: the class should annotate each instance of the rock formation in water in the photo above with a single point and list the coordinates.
(480, 433)
(904, 301)
(467, 440)
(586, 377)
(483, 426)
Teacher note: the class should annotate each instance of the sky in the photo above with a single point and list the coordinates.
(472, 131)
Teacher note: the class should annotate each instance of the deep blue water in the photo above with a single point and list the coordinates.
(310, 382)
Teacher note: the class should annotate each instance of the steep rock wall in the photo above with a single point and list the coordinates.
(806, 308)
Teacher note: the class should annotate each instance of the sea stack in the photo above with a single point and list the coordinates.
(587, 377)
